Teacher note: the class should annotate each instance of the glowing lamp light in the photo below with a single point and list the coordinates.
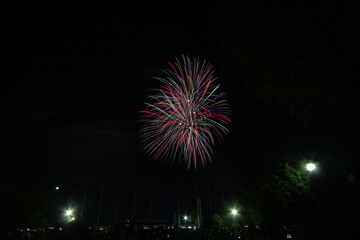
(310, 167)
(234, 212)
(185, 218)
(69, 215)
(68, 212)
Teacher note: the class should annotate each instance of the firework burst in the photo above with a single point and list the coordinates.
(184, 117)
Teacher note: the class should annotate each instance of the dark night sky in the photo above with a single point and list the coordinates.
(76, 77)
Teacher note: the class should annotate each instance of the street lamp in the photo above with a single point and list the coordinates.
(68, 212)
(234, 212)
(310, 167)
(57, 188)
(69, 215)
(186, 219)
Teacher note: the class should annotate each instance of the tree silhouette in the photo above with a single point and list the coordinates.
(19, 207)
(285, 194)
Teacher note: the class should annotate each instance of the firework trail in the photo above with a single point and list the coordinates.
(184, 117)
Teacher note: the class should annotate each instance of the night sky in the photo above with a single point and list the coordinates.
(76, 76)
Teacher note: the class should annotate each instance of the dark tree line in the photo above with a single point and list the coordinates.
(20, 207)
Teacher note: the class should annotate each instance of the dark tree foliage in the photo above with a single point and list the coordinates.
(20, 208)
(334, 175)
(284, 196)
(311, 203)
(295, 56)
